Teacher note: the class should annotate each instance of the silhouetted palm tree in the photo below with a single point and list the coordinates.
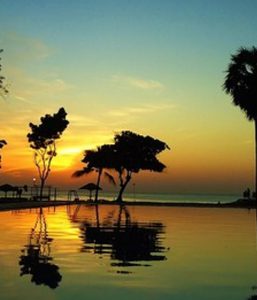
(241, 84)
(97, 160)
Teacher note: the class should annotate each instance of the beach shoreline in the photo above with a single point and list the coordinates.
(17, 204)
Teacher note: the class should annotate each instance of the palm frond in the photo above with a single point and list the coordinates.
(82, 172)
(240, 80)
(110, 178)
(2, 143)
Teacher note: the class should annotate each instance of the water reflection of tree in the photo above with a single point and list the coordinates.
(253, 297)
(36, 256)
(128, 243)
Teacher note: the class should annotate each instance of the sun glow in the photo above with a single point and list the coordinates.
(70, 151)
(147, 83)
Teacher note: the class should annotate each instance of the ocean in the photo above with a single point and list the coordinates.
(133, 252)
(66, 194)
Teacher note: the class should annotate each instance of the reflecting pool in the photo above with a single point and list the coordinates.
(140, 252)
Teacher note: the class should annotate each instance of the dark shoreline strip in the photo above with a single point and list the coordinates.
(30, 204)
(17, 205)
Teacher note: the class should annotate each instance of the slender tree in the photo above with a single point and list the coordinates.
(97, 161)
(241, 84)
(42, 140)
(133, 153)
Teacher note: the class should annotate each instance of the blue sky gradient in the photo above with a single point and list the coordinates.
(154, 67)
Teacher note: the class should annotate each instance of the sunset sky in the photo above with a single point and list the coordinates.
(153, 67)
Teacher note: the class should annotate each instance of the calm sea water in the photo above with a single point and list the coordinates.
(158, 197)
(63, 194)
(108, 252)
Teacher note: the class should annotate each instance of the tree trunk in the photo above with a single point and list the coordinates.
(122, 188)
(98, 183)
(97, 216)
(119, 216)
(119, 198)
(41, 189)
(255, 123)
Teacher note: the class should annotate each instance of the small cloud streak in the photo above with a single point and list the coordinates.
(145, 84)
(144, 109)
(26, 88)
(82, 121)
(137, 82)
(22, 99)
(248, 142)
(24, 48)
(23, 51)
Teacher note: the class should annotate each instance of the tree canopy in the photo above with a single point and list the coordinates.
(241, 81)
(50, 129)
(97, 160)
(133, 153)
(130, 153)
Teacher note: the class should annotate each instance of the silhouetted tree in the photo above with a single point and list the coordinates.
(241, 84)
(134, 152)
(97, 160)
(2, 144)
(42, 140)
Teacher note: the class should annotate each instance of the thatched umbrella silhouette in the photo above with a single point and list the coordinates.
(90, 187)
(7, 188)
